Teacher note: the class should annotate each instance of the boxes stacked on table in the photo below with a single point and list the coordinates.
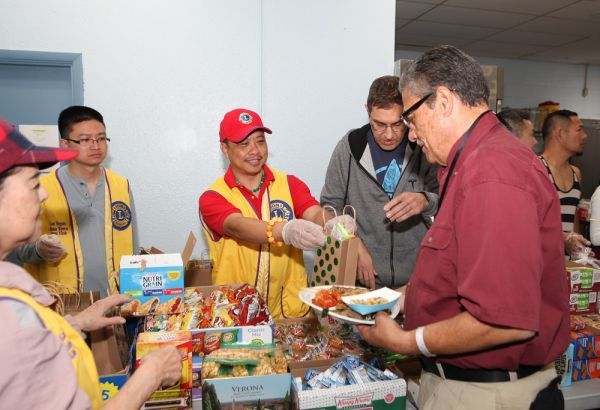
(585, 339)
(234, 356)
(226, 335)
(584, 284)
(581, 361)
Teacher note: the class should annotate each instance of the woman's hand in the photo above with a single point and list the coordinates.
(93, 318)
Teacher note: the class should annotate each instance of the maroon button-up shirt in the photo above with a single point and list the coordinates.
(496, 251)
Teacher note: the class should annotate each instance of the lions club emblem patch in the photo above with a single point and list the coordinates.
(245, 118)
(121, 215)
(282, 210)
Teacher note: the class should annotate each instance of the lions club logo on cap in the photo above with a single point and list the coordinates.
(245, 118)
(121, 215)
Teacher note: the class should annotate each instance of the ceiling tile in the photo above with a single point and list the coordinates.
(513, 6)
(415, 40)
(566, 55)
(423, 1)
(409, 10)
(536, 39)
(566, 31)
(474, 17)
(446, 30)
(553, 25)
(585, 10)
(588, 43)
(486, 48)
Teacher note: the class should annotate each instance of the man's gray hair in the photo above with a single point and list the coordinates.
(447, 66)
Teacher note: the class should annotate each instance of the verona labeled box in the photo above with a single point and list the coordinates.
(155, 284)
(251, 392)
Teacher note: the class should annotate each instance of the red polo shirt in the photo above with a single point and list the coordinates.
(496, 251)
(214, 209)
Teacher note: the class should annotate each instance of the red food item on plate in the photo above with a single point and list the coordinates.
(327, 298)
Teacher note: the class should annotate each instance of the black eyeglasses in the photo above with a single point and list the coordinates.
(413, 108)
(86, 142)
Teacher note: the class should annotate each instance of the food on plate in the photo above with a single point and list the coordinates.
(332, 297)
(378, 300)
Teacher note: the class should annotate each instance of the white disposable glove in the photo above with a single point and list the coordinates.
(49, 248)
(303, 234)
(348, 222)
(575, 244)
(586, 257)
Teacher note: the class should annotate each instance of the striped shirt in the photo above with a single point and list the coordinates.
(568, 199)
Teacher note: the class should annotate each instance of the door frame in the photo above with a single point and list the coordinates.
(52, 59)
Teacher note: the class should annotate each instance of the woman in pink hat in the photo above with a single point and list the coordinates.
(45, 360)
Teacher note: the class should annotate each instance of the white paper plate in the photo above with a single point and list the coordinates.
(307, 295)
(385, 293)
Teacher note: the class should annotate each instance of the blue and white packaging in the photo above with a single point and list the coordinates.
(154, 282)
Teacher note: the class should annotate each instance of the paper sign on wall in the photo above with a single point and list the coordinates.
(45, 135)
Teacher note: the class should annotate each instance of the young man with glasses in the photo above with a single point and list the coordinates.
(87, 221)
(487, 308)
(386, 178)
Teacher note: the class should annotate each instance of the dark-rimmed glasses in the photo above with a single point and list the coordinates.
(86, 142)
(413, 108)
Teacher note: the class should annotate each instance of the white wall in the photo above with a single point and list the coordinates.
(164, 73)
(528, 83)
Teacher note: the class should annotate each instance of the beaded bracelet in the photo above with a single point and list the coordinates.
(270, 238)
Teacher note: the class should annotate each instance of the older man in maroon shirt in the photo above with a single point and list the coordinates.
(487, 304)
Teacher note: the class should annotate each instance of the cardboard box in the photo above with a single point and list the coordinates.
(584, 283)
(583, 278)
(585, 336)
(586, 369)
(564, 366)
(583, 302)
(154, 283)
(198, 272)
(269, 392)
(380, 395)
(196, 378)
(147, 342)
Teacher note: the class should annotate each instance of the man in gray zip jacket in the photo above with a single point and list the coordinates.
(389, 182)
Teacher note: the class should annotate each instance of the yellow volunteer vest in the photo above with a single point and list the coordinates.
(277, 272)
(57, 218)
(81, 355)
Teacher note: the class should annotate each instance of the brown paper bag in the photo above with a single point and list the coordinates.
(335, 262)
(110, 347)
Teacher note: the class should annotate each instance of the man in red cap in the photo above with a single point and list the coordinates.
(258, 220)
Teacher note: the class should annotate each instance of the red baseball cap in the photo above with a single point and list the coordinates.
(237, 124)
(15, 149)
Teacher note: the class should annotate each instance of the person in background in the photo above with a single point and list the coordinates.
(565, 137)
(486, 307)
(258, 220)
(88, 219)
(387, 180)
(46, 363)
(518, 122)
